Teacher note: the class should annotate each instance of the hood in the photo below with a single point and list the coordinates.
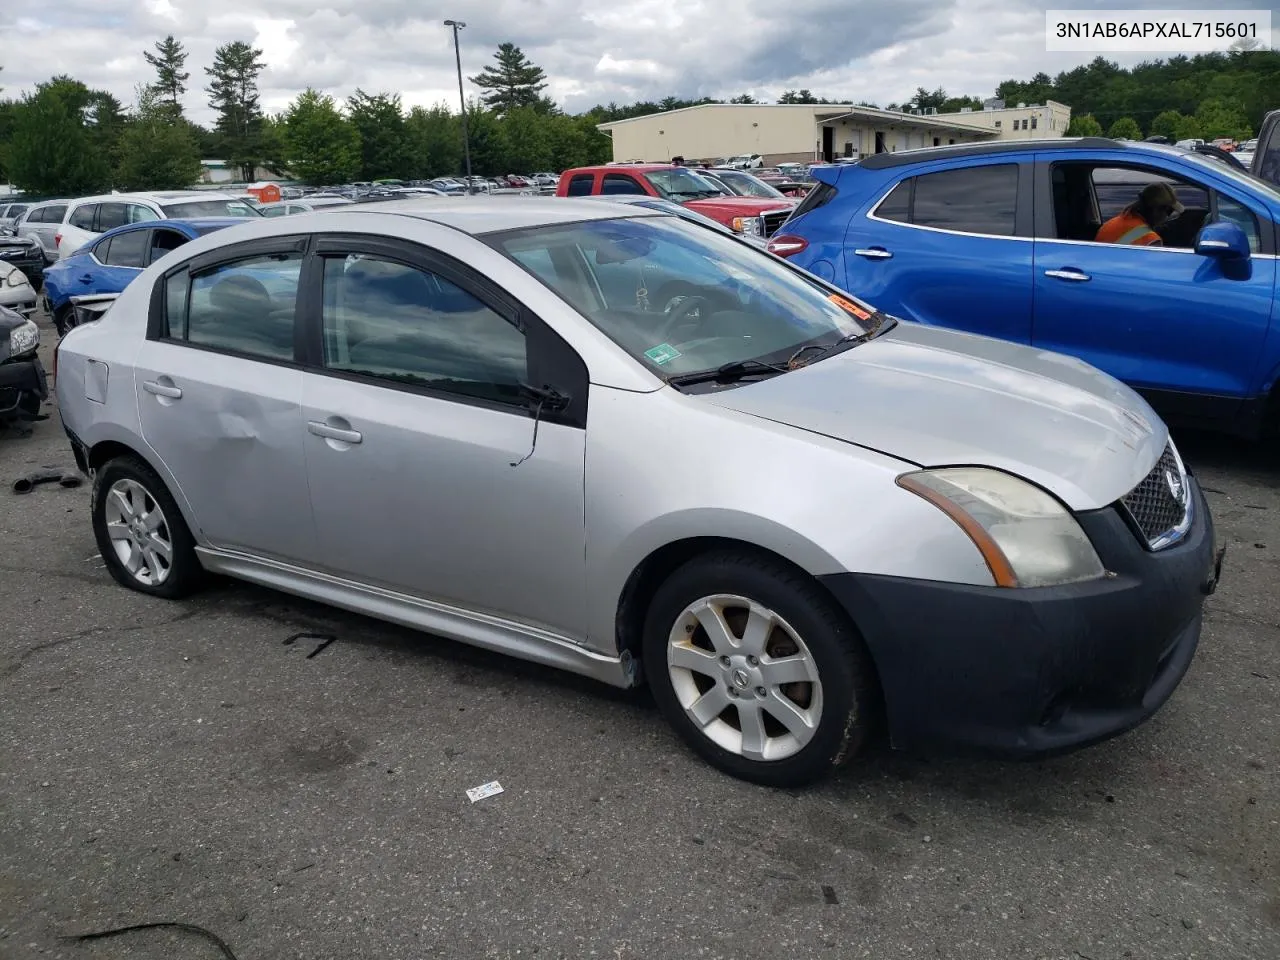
(938, 398)
(740, 206)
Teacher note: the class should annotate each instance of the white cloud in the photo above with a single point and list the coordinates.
(593, 52)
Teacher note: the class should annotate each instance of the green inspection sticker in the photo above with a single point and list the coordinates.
(662, 353)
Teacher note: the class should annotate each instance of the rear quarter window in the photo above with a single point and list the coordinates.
(581, 185)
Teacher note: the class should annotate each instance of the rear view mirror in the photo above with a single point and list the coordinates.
(1224, 241)
(623, 249)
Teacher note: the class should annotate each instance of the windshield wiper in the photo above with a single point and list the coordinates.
(849, 340)
(729, 373)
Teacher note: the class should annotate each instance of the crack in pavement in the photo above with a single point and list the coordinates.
(17, 662)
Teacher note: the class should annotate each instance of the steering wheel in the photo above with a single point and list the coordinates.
(680, 315)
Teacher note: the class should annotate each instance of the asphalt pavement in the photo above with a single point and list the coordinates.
(217, 763)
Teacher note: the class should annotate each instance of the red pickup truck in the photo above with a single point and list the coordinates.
(681, 185)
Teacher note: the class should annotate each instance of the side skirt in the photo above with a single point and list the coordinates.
(430, 616)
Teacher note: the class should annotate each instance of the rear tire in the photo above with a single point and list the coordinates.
(140, 532)
(780, 690)
(63, 319)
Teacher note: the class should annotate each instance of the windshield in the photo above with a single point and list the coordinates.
(210, 208)
(1240, 177)
(682, 299)
(745, 185)
(680, 184)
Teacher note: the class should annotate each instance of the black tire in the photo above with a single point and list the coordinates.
(850, 700)
(185, 573)
(63, 319)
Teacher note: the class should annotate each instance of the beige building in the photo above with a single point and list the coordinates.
(804, 132)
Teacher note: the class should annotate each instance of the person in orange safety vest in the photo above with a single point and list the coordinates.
(1136, 224)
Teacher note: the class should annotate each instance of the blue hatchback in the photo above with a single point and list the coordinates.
(999, 239)
(112, 260)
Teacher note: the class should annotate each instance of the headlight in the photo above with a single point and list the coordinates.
(16, 278)
(752, 226)
(23, 338)
(1027, 538)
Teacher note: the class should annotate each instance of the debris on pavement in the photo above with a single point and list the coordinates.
(64, 478)
(489, 789)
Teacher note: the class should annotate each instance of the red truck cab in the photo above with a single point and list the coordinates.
(680, 185)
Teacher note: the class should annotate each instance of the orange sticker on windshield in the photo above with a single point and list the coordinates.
(849, 306)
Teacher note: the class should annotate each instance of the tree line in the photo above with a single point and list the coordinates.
(64, 138)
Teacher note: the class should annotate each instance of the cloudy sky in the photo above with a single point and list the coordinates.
(592, 51)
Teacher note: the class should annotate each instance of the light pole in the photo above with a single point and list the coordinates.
(462, 99)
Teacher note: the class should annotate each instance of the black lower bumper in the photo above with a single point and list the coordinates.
(21, 379)
(1031, 672)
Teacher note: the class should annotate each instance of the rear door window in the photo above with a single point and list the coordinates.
(112, 215)
(54, 214)
(125, 250)
(980, 200)
(82, 216)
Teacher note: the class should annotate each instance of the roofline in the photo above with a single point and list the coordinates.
(849, 109)
(933, 120)
(903, 158)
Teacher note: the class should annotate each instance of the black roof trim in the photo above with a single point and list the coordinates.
(883, 161)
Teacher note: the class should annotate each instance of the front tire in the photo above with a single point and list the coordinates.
(758, 669)
(140, 532)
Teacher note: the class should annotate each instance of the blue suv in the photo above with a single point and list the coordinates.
(110, 261)
(998, 239)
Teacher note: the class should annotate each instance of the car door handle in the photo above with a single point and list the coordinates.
(873, 253)
(87, 278)
(162, 389)
(330, 432)
(1070, 274)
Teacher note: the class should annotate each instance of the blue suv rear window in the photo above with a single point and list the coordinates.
(980, 199)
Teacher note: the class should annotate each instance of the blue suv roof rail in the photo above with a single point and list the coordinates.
(883, 161)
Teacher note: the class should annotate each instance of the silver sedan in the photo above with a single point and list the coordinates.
(603, 438)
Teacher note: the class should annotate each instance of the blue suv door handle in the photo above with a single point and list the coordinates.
(1070, 273)
(873, 253)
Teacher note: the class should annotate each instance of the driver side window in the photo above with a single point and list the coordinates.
(1088, 197)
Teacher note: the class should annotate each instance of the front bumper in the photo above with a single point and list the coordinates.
(1023, 673)
(20, 378)
(21, 299)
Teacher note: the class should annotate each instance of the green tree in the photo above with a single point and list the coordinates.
(528, 146)
(1084, 125)
(1187, 128)
(1221, 118)
(379, 120)
(52, 150)
(1166, 123)
(513, 82)
(488, 142)
(434, 138)
(797, 96)
(321, 145)
(171, 79)
(1126, 128)
(744, 98)
(233, 93)
(157, 150)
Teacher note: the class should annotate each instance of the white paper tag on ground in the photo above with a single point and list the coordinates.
(489, 789)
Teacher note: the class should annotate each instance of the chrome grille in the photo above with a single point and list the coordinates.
(771, 220)
(1159, 506)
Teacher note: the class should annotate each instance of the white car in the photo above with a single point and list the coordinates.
(87, 217)
(16, 291)
(746, 161)
(41, 222)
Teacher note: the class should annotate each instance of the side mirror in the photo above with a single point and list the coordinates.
(1225, 241)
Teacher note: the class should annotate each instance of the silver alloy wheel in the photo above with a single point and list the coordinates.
(744, 677)
(139, 532)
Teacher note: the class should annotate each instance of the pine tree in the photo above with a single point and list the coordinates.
(171, 80)
(514, 82)
(233, 92)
